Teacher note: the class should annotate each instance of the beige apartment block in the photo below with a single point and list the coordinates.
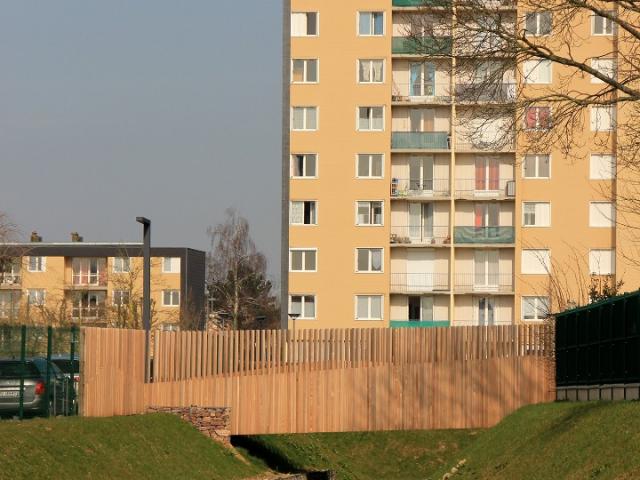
(396, 216)
(98, 284)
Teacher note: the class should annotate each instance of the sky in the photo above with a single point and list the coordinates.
(112, 109)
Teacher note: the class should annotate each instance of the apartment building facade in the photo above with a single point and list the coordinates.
(99, 284)
(396, 214)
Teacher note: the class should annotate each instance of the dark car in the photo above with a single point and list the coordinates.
(70, 368)
(59, 397)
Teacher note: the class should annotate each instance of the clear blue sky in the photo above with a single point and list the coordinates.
(115, 108)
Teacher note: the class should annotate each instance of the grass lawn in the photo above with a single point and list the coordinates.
(139, 447)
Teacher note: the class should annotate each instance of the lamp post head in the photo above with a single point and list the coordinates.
(294, 315)
(143, 220)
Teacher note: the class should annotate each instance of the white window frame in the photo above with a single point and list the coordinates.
(304, 74)
(543, 257)
(43, 264)
(533, 77)
(612, 220)
(371, 75)
(594, 118)
(370, 156)
(172, 263)
(369, 296)
(369, 249)
(538, 16)
(369, 224)
(533, 202)
(599, 253)
(304, 257)
(536, 307)
(592, 167)
(305, 129)
(538, 126)
(120, 269)
(305, 177)
(291, 222)
(372, 23)
(317, 24)
(537, 157)
(593, 26)
(610, 73)
(303, 297)
(370, 118)
(40, 295)
(172, 291)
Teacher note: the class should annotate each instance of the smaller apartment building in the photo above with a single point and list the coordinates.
(99, 284)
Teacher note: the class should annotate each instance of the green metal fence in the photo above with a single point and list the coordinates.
(39, 371)
(421, 45)
(420, 140)
(484, 235)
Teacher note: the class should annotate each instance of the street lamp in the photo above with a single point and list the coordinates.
(293, 316)
(146, 288)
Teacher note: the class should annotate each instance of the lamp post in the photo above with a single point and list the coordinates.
(146, 289)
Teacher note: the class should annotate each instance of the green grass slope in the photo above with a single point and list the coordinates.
(362, 455)
(138, 447)
(558, 441)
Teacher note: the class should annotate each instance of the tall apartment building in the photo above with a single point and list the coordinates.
(98, 283)
(397, 215)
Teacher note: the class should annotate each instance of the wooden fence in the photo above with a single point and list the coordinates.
(468, 377)
(184, 355)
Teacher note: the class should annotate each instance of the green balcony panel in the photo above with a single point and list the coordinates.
(419, 323)
(421, 3)
(420, 140)
(484, 235)
(422, 46)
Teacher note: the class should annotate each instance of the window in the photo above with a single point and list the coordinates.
(536, 262)
(371, 118)
(537, 71)
(602, 25)
(88, 271)
(36, 296)
(304, 213)
(304, 118)
(420, 309)
(369, 259)
(603, 118)
(605, 66)
(369, 213)
(304, 24)
(536, 214)
(304, 70)
(535, 308)
(602, 214)
(370, 23)
(87, 305)
(121, 298)
(304, 165)
(369, 165)
(370, 71)
(37, 264)
(538, 23)
(171, 298)
(121, 265)
(602, 167)
(368, 307)
(302, 260)
(537, 118)
(171, 265)
(602, 262)
(303, 305)
(536, 166)
(9, 304)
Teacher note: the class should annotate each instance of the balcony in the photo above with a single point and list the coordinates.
(419, 235)
(10, 280)
(408, 188)
(480, 188)
(420, 141)
(474, 235)
(416, 93)
(421, 46)
(419, 323)
(482, 282)
(419, 282)
(484, 93)
(421, 3)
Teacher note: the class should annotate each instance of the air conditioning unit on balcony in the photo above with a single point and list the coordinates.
(511, 188)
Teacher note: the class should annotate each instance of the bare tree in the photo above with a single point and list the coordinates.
(237, 280)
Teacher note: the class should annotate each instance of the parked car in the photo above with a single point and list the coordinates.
(70, 368)
(60, 397)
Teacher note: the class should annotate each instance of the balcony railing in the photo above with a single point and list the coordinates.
(482, 92)
(484, 234)
(89, 314)
(421, 45)
(419, 323)
(420, 140)
(419, 282)
(421, 3)
(482, 187)
(420, 235)
(405, 187)
(484, 282)
(466, 144)
(10, 279)
(419, 92)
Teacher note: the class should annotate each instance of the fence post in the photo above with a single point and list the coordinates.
(48, 376)
(23, 354)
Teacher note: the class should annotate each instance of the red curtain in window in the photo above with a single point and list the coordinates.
(494, 174)
(530, 119)
(481, 183)
(544, 117)
(479, 215)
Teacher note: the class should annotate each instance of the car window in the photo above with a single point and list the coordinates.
(16, 369)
